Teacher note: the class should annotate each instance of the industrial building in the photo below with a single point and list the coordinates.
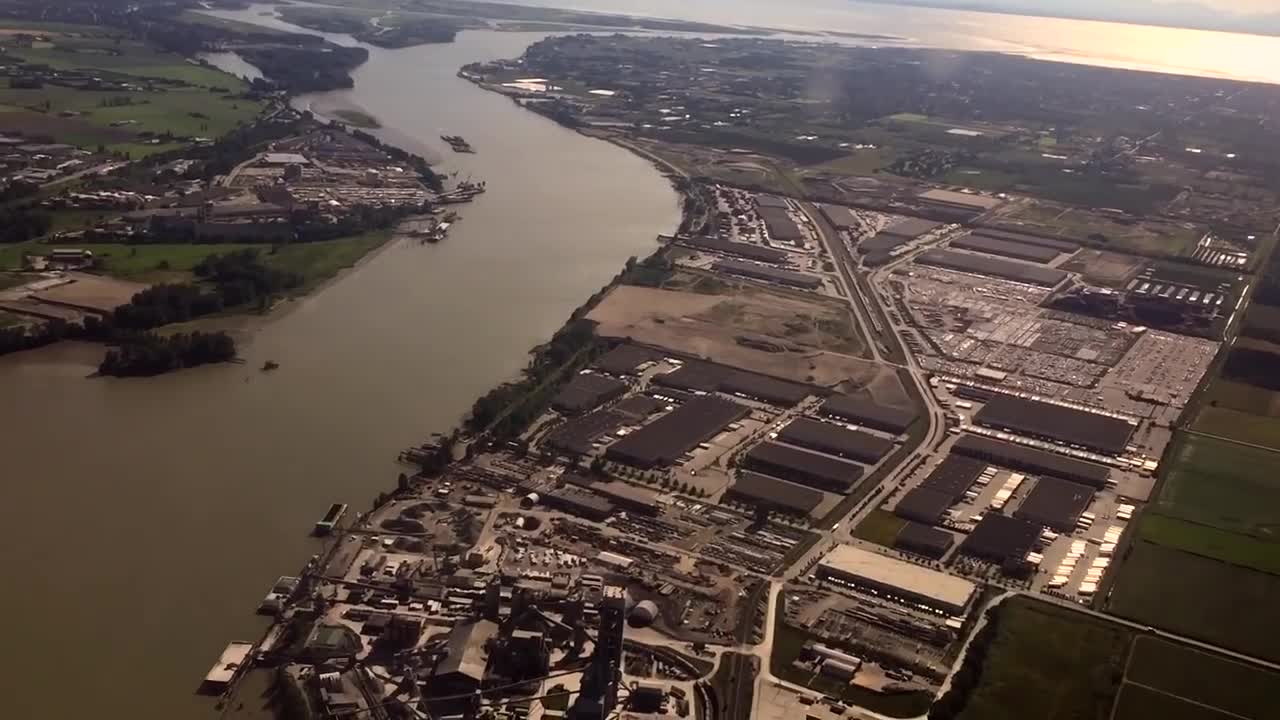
(582, 503)
(576, 437)
(839, 216)
(924, 505)
(1001, 539)
(1032, 460)
(1050, 421)
(665, 440)
(954, 476)
(993, 267)
(774, 494)
(462, 669)
(1055, 503)
(712, 377)
(587, 391)
(739, 249)
(803, 466)
(836, 440)
(1007, 248)
(779, 224)
(1064, 246)
(863, 411)
(901, 581)
(628, 497)
(768, 273)
(624, 359)
(923, 540)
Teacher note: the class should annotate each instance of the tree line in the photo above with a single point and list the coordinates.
(137, 353)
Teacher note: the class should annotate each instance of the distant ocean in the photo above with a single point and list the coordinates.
(1138, 47)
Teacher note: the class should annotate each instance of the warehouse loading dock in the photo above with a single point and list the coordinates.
(802, 466)
(1027, 459)
(902, 581)
(1001, 539)
(924, 540)
(1050, 421)
(836, 440)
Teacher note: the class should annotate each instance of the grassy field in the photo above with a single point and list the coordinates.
(1243, 397)
(160, 104)
(1199, 597)
(1245, 690)
(1237, 425)
(1140, 703)
(1234, 548)
(1223, 484)
(880, 527)
(319, 261)
(1049, 663)
(316, 262)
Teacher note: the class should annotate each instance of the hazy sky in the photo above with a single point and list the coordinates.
(1240, 6)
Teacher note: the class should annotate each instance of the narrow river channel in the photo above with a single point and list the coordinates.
(144, 519)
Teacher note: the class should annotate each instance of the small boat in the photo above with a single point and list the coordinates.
(458, 143)
(330, 520)
(270, 365)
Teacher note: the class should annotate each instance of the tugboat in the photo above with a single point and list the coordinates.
(270, 365)
(458, 143)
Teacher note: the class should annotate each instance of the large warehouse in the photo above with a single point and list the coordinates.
(1050, 421)
(774, 494)
(1001, 539)
(836, 440)
(1032, 460)
(1055, 503)
(768, 273)
(586, 391)
(863, 411)
(995, 267)
(663, 441)
(901, 581)
(802, 466)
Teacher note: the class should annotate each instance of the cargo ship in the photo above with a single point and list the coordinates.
(330, 519)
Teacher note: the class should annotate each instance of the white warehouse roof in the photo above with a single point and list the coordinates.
(912, 580)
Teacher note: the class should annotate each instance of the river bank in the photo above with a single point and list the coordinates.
(195, 490)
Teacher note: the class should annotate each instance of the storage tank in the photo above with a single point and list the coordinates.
(643, 614)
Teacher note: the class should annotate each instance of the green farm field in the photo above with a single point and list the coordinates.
(1199, 597)
(1229, 685)
(1229, 547)
(1226, 485)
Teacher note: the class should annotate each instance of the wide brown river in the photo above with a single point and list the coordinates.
(143, 519)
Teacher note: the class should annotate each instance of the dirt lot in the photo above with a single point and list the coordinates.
(91, 292)
(808, 340)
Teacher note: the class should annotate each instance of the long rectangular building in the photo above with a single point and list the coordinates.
(756, 489)
(1032, 460)
(1065, 246)
(779, 223)
(1055, 503)
(728, 247)
(994, 267)
(803, 466)
(1050, 421)
(906, 582)
(663, 441)
(768, 273)
(866, 412)
(836, 440)
(1007, 248)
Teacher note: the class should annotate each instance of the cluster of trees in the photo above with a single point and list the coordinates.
(508, 409)
(410, 33)
(137, 353)
(965, 681)
(151, 354)
(241, 278)
(307, 69)
(419, 165)
(22, 223)
(166, 303)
